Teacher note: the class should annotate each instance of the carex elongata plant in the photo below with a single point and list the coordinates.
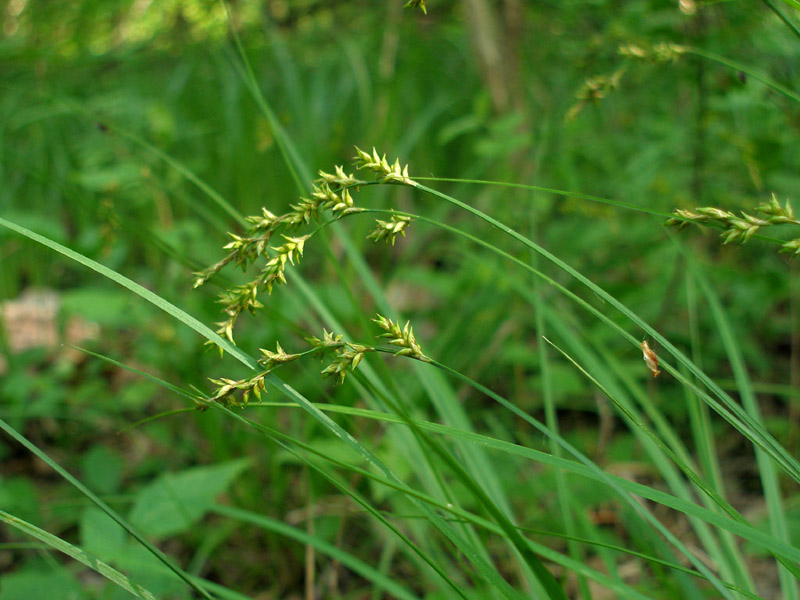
(331, 192)
(334, 193)
(741, 228)
(276, 243)
(346, 356)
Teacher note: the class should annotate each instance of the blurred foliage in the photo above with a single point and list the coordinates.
(91, 87)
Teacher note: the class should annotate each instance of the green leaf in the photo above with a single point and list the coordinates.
(100, 534)
(102, 470)
(31, 583)
(149, 572)
(176, 501)
(18, 494)
(67, 548)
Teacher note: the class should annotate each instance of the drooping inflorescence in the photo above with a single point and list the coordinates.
(741, 228)
(344, 357)
(401, 337)
(331, 193)
(389, 230)
(596, 88)
(393, 173)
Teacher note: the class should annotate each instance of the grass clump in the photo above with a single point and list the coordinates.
(528, 448)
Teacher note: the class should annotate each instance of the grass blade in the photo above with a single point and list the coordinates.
(378, 579)
(31, 447)
(76, 553)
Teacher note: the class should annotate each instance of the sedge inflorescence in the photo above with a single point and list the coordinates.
(344, 357)
(740, 229)
(332, 193)
(598, 87)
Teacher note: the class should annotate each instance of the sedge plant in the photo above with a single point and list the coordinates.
(716, 522)
(432, 488)
(334, 193)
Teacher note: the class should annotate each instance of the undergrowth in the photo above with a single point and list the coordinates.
(462, 398)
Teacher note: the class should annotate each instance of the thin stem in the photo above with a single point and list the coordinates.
(744, 69)
(783, 17)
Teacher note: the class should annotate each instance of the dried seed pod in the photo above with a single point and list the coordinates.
(650, 359)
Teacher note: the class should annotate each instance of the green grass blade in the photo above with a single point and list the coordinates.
(741, 529)
(788, 22)
(778, 525)
(78, 554)
(729, 409)
(551, 420)
(705, 443)
(137, 289)
(33, 449)
(622, 589)
(579, 195)
(299, 171)
(672, 539)
(378, 579)
(289, 443)
(744, 531)
(490, 574)
(546, 580)
(455, 433)
(744, 69)
(486, 570)
(624, 592)
(567, 465)
(610, 373)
